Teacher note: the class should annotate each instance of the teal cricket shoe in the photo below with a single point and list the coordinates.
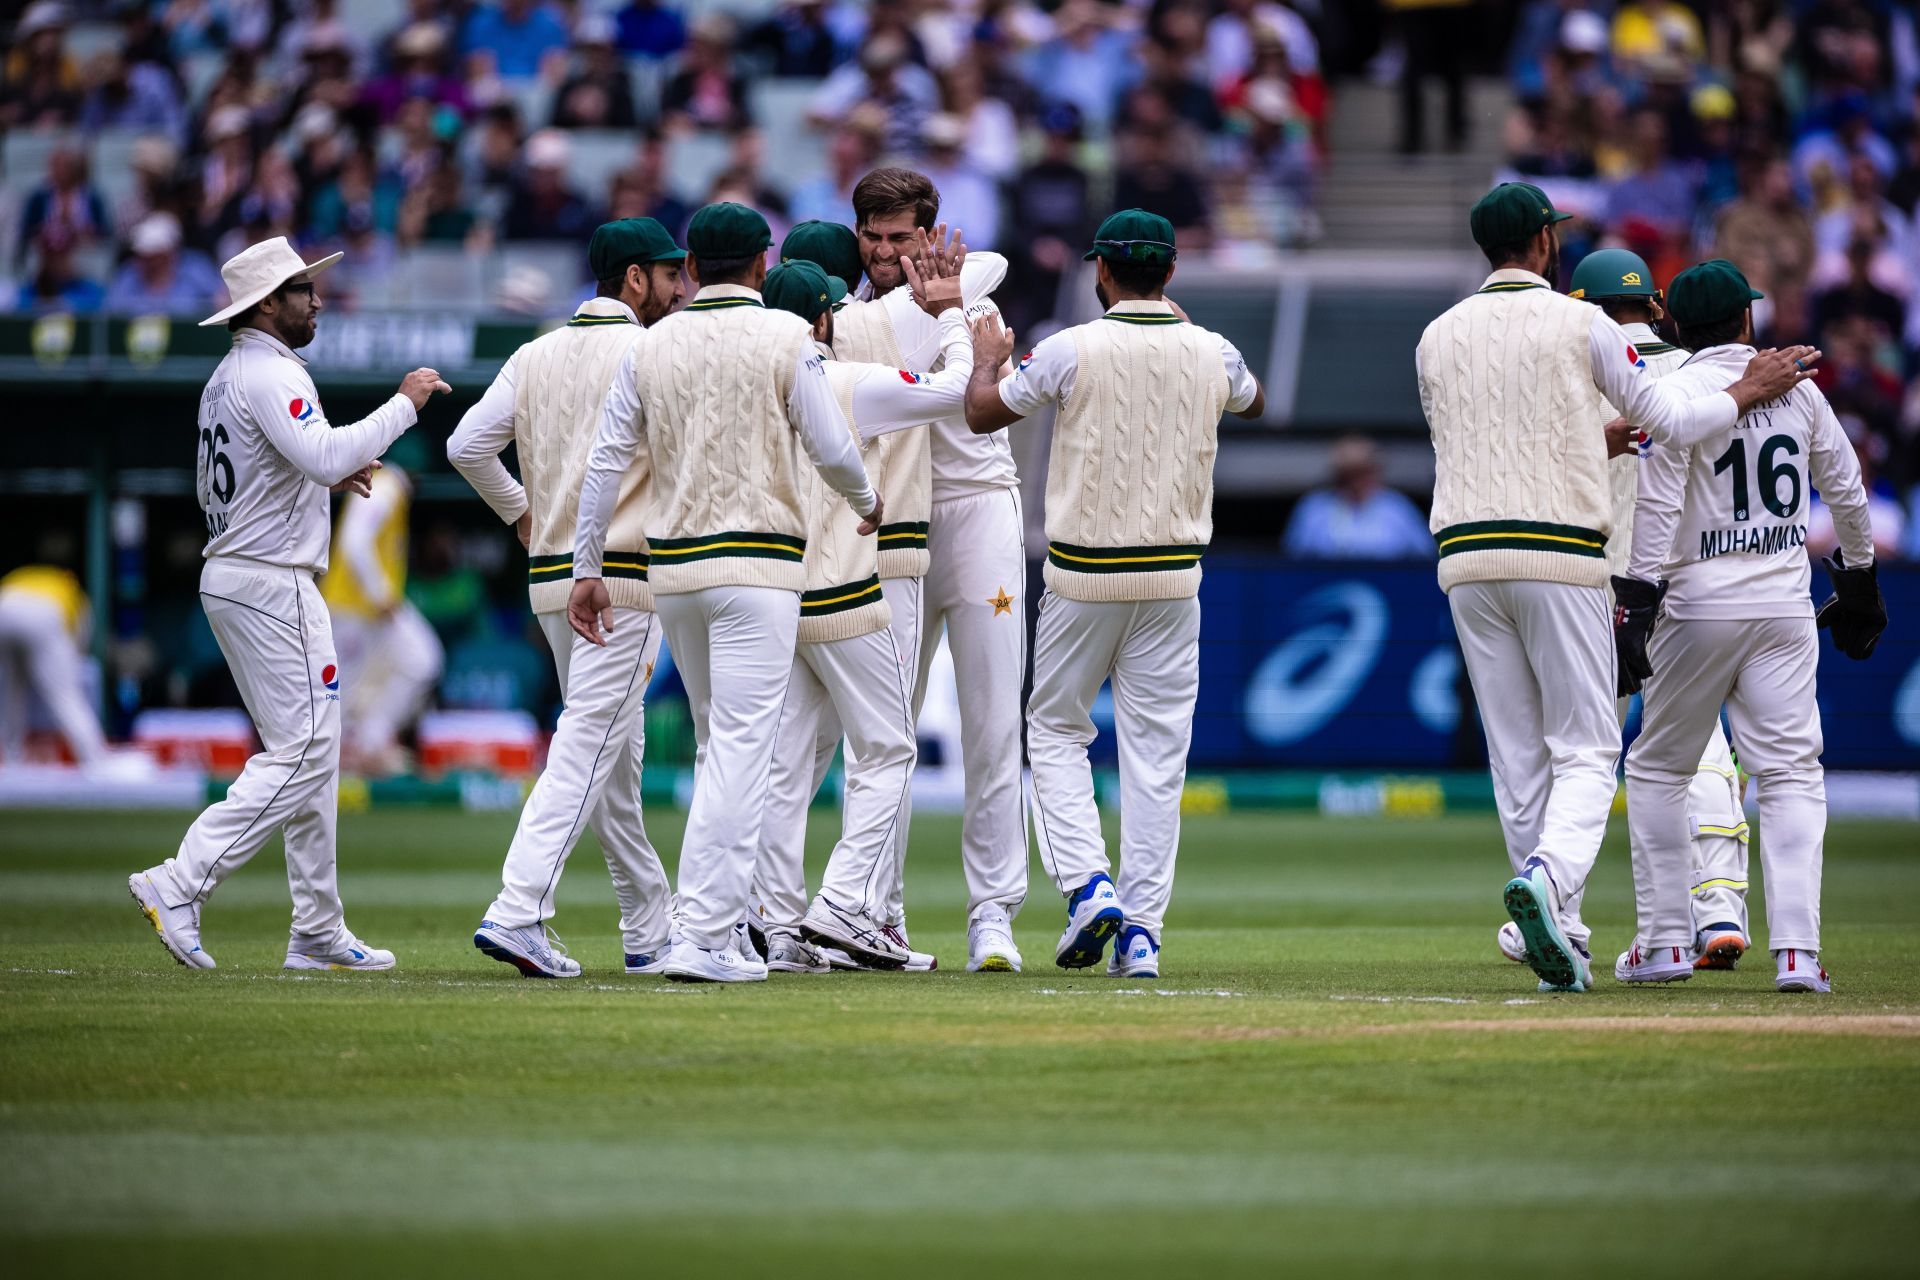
(1533, 903)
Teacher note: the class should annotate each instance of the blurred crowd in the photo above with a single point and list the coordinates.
(379, 126)
(1780, 134)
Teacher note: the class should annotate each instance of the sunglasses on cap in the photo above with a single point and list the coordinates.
(1137, 250)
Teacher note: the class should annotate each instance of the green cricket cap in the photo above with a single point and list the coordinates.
(803, 288)
(1133, 235)
(1713, 291)
(828, 245)
(1612, 273)
(618, 245)
(1511, 211)
(727, 230)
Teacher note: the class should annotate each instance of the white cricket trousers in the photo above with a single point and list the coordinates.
(1151, 651)
(592, 779)
(273, 628)
(976, 576)
(1763, 670)
(38, 652)
(859, 684)
(733, 647)
(391, 666)
(1719, 823)
(904, 596)
(1540, 655)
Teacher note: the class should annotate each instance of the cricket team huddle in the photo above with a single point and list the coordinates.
(798, 479)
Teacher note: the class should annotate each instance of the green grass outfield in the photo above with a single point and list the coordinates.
(1336, 1075)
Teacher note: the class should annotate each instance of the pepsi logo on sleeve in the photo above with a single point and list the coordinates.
(300, 410)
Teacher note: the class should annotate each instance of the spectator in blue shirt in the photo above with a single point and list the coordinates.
(1088, 64)
(65, 201)
(1660, 190)
(518, 33)
(651, 29)
(1357, 517)
(159, 278)
(56, 284)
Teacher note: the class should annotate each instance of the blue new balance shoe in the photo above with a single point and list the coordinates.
(1093, 916)
(1135, 955)
(1533, 901)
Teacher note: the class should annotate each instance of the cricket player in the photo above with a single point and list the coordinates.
(955, 547)
(268, 456)
(1621, 284)
(717, 392)
(391, 653)
(1129, 515)
(43, 624)
(848, 672)
(546, 401)
(1719, 551)
(1522, 512)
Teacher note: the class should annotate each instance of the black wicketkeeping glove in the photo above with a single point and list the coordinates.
(1855, 612)
(1636, 605)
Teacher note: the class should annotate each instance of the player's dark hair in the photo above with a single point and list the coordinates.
(888, 191)
(1140, 277)
(725, 270)
(610, 287)
(1717, 334)
(1628, 310)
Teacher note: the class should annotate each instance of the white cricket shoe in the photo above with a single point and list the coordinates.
(1093, 916)
(642, 964)
(838, 959)
(789, 953)
(689, 962)
(854, 932)
(917, 961)
(1135, 954)
(1720, 946)
(342, 951)
(1511, 944)
(1799, 971)
(1638, 964)
(535, 951)
(178, 927)
(990, 945)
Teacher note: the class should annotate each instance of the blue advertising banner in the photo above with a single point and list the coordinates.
(1336, 666)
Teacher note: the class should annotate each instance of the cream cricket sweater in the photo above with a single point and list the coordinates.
(1623, 473)
(1130, 476)
(727, 505)
(901, 462)
(1521, 490)
(842, 598)
(561, 381)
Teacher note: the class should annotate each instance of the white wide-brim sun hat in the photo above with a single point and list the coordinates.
(258, 270)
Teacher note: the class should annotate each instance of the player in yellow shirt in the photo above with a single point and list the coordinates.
(387, 650)
(43, 623)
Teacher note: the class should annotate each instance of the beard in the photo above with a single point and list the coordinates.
(1552, 272)
(1100, 292)
(886, 275)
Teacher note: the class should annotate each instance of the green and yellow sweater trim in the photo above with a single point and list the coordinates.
(1153, 317)
(907, 536)
(1511, 286)
(614, 564)
(852, 595)
(1064, 555)
(722, 304)
(1520, 535)
(585, 321)
(663, 552)
(1654, 348)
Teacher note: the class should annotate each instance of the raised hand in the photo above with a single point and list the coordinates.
(992, 342)
(422, 385)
